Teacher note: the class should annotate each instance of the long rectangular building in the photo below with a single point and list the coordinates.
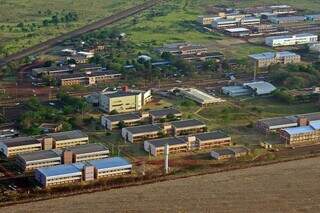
(38, 159)
(199, 97)
(291, 40)
(209, 140)
(88, 152)
(10, 147)
(140, 133)
(268, 58)
(67, 139)
(82, 172)
(187, 127)
(156, 147)
(115, 121)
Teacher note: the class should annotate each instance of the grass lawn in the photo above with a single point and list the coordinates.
(33, 12)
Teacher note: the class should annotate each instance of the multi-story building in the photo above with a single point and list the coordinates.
(306, 132)
(166, 114)
(51, 71)
(38, 159)
(207, 20)
(64, 139)
(10, 147)
(225, 23)
(88, 152)
(156, 147)
(212, 139)
(141, 133)
(111, 167)
(287, 19)
(126, 119)
(78, 172)
(60, 174)
(124, 101)
(87, 78)
(268, 58)
(290, 40)
(251, 20)
(187, 127)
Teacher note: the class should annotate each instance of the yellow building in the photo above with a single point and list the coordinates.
(13, 146)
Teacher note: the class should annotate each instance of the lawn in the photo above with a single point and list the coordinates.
(21, 21)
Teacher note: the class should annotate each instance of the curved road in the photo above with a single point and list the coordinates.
(91, 27)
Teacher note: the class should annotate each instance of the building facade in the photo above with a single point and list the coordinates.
(10, 147)
(269, 58)
(291, 40)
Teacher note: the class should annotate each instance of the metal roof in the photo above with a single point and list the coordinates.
(279, 121)
(158, 113)
(144, 128)
(261, 87)
(187, 123)
(222, 152)
(123, 117)
(211, 135)
(120, 94)
(271, 55)
(40, 155)
(299, 130)
(88, 148)
(290, 36)
(239, 149)
(59, 136)
(310, 116)
(236, 30)
(61, 170)
(110, 163)
(170, 141)
(19, 141)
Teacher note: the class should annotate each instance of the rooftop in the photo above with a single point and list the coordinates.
(279, 121)
(61, 170)
(170, 141)
(291, 36)
(261, 87)
(164, 112)
(239, 149)
(236, 30)
(311, 116)
(68, 135)
(144, 128)
(187, 123)
(271, 55)
(123, 117)
(88, 148)
(19, 141)
(211, 135)
(222, 152)
(41, 155)
(200, 96)
(120, 94)
(110, 163)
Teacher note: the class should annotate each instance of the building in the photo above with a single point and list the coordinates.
(8, 133)
(228, 153)
(64, 139)
(282, 9)
(269, 58)
(305, 132)
(212, 139)
(111, 167)
(38, 159)
(287, 19)
(156, 147)
(248, 21)
(225, 23)
(124, 101)
(235, 91)
(50, 127)
(51, 71)
(88, 152)
(276, 124)
(82, 172)
(10, 147)
(60, 174)
(199, 97)
(290, 40)
(238, 32)
(207, 20)
(187, 127)
(259, 88)
(264, 28)
(143, 132)
(165, 115)
(87, 78)
(121, 120)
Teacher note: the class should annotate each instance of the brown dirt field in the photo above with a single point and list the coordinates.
(285, 187)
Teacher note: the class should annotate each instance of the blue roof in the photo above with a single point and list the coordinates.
(299, 130)
(110, 163)
(315, 124)
(61, 170)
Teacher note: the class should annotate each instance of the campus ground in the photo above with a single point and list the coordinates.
(286, 187)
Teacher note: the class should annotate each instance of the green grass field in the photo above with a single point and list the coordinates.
(32, 13)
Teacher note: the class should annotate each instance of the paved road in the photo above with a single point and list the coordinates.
(286, 187)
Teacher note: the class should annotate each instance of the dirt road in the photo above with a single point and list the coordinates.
(286, 187)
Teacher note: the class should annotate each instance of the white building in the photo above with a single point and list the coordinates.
(290, 40)
(200, 97)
